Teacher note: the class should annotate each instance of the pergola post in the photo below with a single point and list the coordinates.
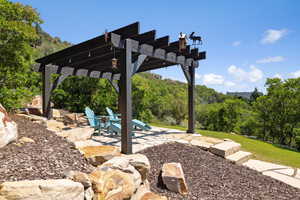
(46, 78)
(125, 98)
(191, 100)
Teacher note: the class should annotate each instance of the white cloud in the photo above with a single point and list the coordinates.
(272, 35)
(198, 76)
(271, 59)
(295, 74)
(229, 84)
(253, 75)
(236, 43)
(213, 79)
(277, 75)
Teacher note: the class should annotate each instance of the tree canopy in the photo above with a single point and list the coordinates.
(18, 37)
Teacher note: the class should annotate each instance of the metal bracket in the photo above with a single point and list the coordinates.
(136, 65)
(186, 72)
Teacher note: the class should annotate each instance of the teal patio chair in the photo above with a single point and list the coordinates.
(135, 123)
(95, 121)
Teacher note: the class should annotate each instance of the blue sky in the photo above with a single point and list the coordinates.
(246, 41)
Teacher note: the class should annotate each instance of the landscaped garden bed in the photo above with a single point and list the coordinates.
(211, 177)
(41, 155)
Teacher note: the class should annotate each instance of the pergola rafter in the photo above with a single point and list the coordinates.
(134, 52)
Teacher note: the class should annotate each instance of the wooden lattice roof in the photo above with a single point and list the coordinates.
(96, 54)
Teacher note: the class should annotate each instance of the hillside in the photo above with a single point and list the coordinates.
(48, 44)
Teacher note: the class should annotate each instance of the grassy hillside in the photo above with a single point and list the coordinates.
(49, 44)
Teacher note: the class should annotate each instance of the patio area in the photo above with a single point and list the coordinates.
(144, 139)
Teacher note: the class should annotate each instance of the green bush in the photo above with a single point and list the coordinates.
(297, 140)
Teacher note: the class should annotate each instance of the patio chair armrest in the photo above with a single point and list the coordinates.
(101, 116)
(115, 120)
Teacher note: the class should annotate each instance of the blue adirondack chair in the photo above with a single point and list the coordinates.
(94, 120)
(135, 123)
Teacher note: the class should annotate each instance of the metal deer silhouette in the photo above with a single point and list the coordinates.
(197, 40)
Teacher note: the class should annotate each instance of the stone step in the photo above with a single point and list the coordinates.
(225, 149)
(239, 157)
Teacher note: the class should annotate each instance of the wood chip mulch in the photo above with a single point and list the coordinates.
(210, 177)
(49, 157)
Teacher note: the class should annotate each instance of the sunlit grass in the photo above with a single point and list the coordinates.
(260, 149)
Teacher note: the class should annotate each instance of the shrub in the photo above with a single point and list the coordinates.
(297, 140)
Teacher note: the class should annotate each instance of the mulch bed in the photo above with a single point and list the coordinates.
(211, 177)
(48, 158)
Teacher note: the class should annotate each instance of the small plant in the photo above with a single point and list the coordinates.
(297, 140)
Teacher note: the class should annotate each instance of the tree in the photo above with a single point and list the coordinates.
(254, 95)
(17, 38)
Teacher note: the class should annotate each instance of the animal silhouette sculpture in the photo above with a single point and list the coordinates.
(197, 40)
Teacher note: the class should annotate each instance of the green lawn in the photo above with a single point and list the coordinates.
(261, 150)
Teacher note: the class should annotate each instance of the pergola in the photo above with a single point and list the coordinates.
(135, 52)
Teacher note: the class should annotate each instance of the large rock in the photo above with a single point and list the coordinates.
(56, 114)
(35, 106)
(112, 184)
(96, 155)
(36, 102)
(239, 157)
(75, 118)
(86, 143)
(24, 140)
(54, 125)
(201, 144)
(77, 134)
(8, 128)
(60, 189)
(225, 149)
(173, 178)
(122, 164)
(89, 194)
(34, 118)
(143, 193)
(79, 177)
(140, 162)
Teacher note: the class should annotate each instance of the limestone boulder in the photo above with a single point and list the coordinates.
(35, 106)
(34, 118)
(143, 193)
(54, 125)
(225, 148)
(173, 178)
(60, 189)
(36, 102)
(56, 114)
(112, 184)
(8, 128)
(79, 177)
(24, 140)
(77, 134)
(122, 164)
(140, 162)
(201, 144)
(97, 155)
(89, 194)
(70, 118)
(86, 143)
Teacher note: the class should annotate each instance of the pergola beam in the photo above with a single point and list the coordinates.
(125, 32)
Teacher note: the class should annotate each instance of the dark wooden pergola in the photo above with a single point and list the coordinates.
(136, 52)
